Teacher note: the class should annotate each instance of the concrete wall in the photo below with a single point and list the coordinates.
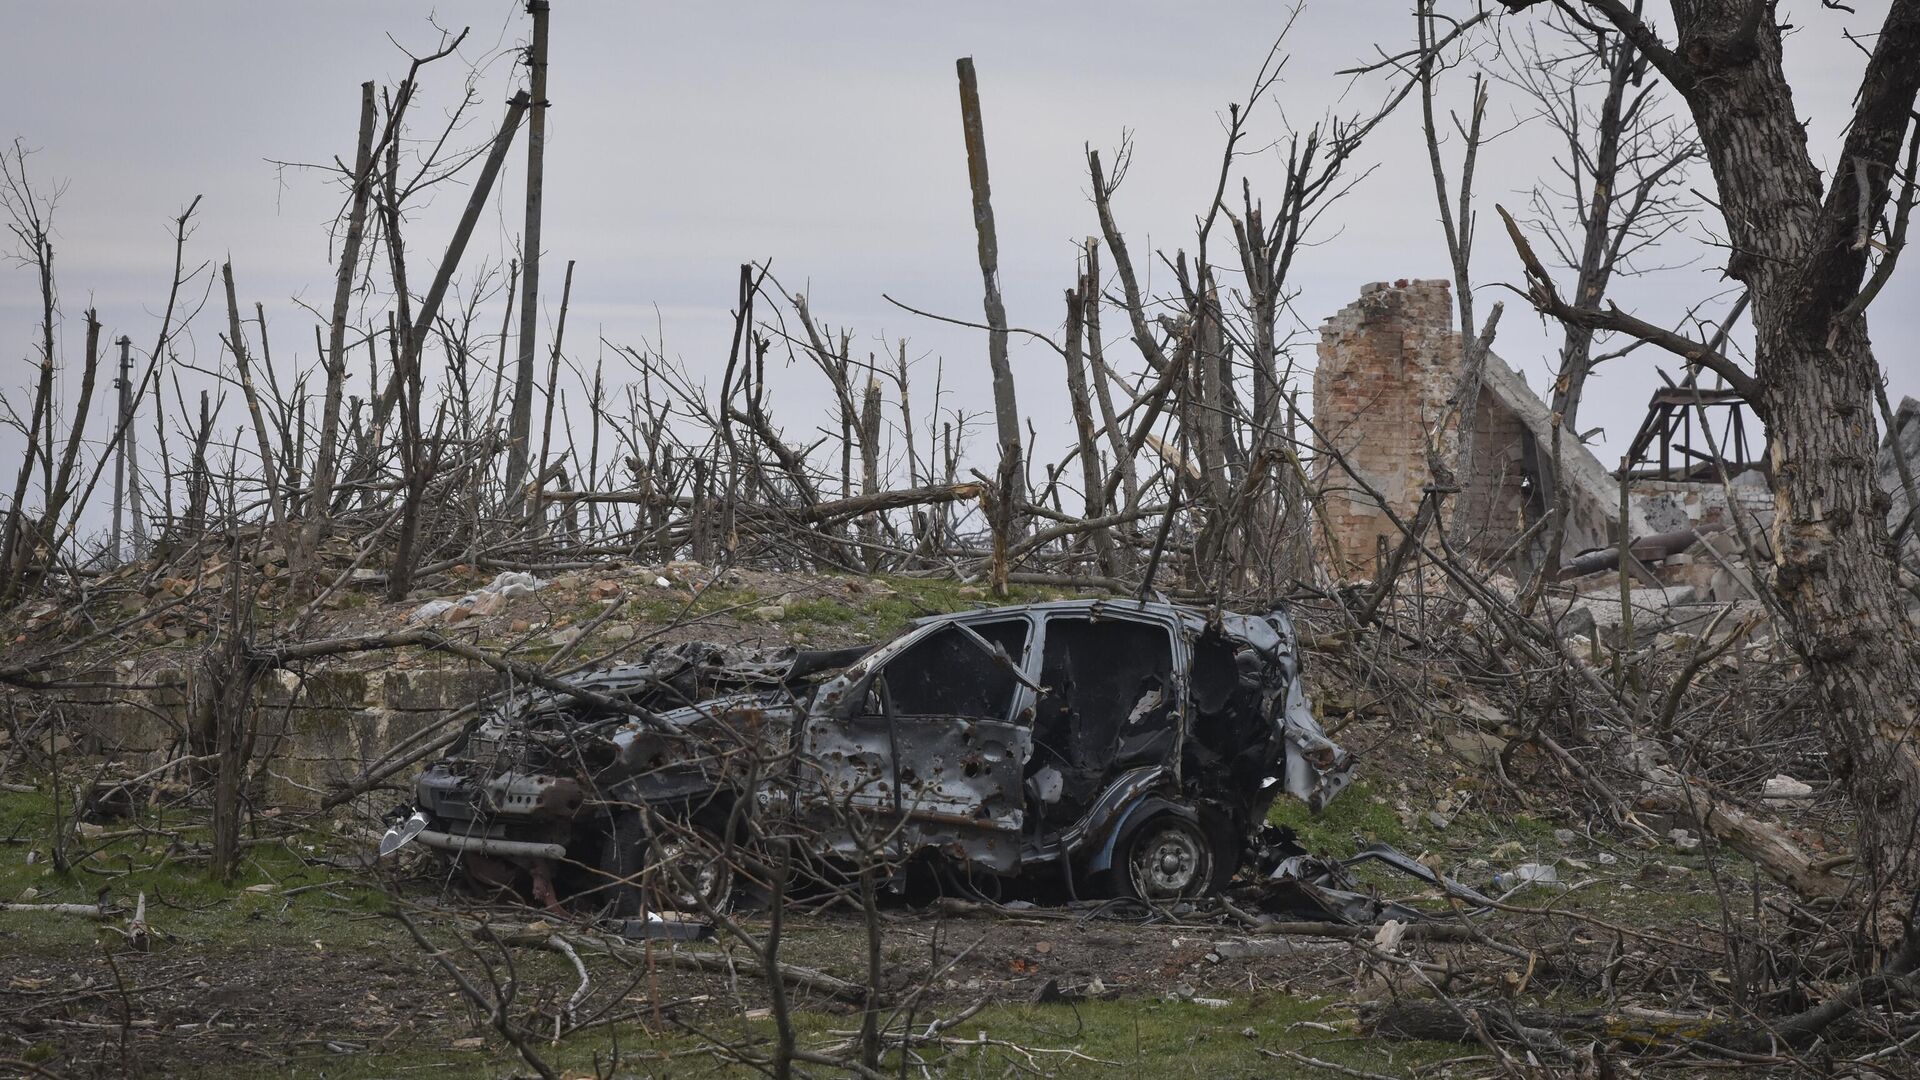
(1671, 505)
(315, 731)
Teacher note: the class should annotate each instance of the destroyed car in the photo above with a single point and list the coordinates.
(1117, 748)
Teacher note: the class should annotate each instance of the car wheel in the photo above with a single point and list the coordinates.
(689, 856)
(1166, 857)
(690, 868)
(622, 859)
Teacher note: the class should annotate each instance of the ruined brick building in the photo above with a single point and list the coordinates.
(1389, 367)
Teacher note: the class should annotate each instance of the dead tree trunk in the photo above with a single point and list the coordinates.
(1458, 228)
(520, 426)
(870, 467)
(1803, 251)
(1097, 373)
(326, 457)
(536, 509)
(237, 342)
(407, 370)
(1006, 413)
(1093, 484)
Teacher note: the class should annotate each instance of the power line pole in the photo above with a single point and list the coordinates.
(520, 428)
(126, 461)
(120, 447)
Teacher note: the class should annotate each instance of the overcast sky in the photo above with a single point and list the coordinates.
(687, 138)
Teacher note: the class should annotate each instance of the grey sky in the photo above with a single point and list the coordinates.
(687, 138)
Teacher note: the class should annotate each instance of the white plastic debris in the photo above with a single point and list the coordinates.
(512, 583)
(1784, 788)
(1530, 873)
(483, 601)
(429, 611)
(1388, 938)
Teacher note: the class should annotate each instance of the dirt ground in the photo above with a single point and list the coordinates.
(184, 1009)
(301, 969)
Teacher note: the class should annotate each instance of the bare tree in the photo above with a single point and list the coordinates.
(1813, 255)
(326, 459)
(1011, 477)
(1618, 178)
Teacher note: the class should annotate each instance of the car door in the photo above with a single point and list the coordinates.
(934, 749)
(1112, 699)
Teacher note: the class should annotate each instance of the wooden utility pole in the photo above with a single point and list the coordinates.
(521, 423)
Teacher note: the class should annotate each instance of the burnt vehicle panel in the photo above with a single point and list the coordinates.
(1131, 747)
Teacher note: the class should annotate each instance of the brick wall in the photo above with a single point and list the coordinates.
(1388, 363)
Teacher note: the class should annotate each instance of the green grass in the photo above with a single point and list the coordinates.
(185, 906)
(196, 917)
(1355, 818)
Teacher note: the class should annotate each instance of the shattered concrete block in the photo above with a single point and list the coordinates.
(1784, 788)
(1650, 610)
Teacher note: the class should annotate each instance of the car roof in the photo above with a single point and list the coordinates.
(1096, 606)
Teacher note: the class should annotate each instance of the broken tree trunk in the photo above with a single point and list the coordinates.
(520, 425)
(238, 343)
(326, 457)
(1093, 483)
(1006, 413)
(1803, 248)
(870, 466)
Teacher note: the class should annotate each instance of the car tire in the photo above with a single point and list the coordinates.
(634, 886)
(623, 857)
(1164, 858)
(696, 853)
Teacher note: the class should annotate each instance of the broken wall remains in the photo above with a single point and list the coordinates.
(1389, 367)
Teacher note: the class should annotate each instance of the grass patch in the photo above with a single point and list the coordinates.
(1351, 821)
(267, 901)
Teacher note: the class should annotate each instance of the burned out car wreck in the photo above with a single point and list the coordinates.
(1110, 748)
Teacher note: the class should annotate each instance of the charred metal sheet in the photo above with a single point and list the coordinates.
(953, 783)
(1309, 886)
